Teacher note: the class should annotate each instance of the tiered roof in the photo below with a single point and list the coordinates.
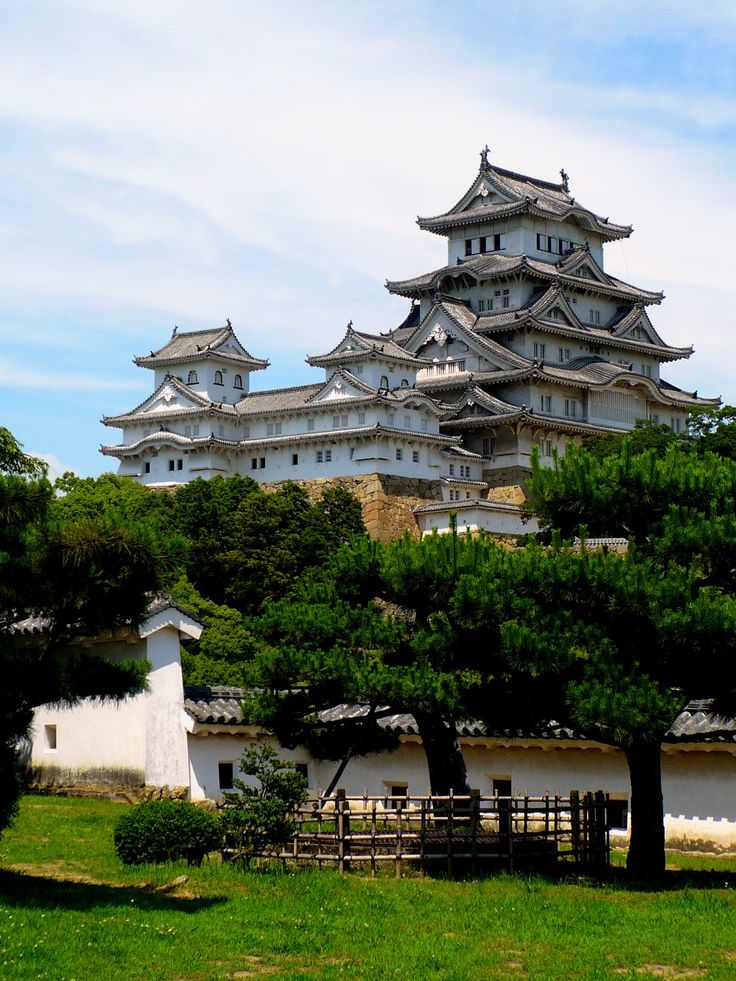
(196, 345)
(493, 266)
(497, 193)
(356, 347)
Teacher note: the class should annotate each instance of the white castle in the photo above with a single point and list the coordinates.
(521, 340)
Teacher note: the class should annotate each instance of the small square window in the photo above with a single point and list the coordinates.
(328, 456)
(359, 369)
(618, 814)
(195, 430)
(303, 770)
(172, 464)
(361, 418)
(179, 464)
(310, 425)
(261, 463)
(146, 467)
(254, 463)
(320, 456)
(399, 453)
(294, 459)
(225, 775)
(415, 456)
(396, 793)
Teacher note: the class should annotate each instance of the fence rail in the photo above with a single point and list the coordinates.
(467, 832)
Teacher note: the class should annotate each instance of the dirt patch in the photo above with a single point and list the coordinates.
(668, 971)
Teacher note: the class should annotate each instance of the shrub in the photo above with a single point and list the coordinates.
(261, 816)
(164, 831)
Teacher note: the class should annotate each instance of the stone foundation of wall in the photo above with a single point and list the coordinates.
(118, 784)
(387, 501)
(508, 476)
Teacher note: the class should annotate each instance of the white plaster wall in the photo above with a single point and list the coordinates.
(94, 736)
(700, 802)
(475, 519)
(165, 739)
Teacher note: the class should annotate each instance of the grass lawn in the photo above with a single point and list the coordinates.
(70, 910)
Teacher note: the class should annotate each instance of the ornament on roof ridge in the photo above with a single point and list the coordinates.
(350, 325)
(439, 334)
(565, 180)
(227, 321)
(484, 161)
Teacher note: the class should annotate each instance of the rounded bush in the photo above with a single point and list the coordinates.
(164, 831)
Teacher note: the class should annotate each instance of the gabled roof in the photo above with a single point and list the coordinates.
(219, 344)
(172, 398)
(497, 193)
(615, 334)
(460, 321)
(342, 385)
(493, 266)
(358, 347)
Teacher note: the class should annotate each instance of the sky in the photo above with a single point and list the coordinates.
(180, 163)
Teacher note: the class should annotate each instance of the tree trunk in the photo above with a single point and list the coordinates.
(444, 757)
(646, 858)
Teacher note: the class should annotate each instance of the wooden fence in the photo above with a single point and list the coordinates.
(452, 833)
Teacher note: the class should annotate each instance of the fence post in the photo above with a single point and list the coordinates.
(575, 824)
(398, 810)
(343, 830)
(600, 830)
(450, 823)
(474, 829)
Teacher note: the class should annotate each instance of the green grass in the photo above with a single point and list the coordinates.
(70, 910)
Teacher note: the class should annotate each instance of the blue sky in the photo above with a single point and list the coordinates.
(180, 163)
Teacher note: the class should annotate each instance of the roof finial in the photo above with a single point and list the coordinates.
(176, 327)
(484, 161)
(350, 325)
(565, 180)
(227, 321)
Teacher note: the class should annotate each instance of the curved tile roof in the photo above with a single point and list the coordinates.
(195, 345)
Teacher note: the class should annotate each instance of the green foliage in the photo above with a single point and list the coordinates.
(262, 815)
(714, 431)
(79, 573)
(164, 831)
(227, 642)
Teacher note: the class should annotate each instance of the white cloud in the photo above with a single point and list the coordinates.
(17, 377)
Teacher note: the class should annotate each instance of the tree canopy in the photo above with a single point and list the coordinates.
(75, 576)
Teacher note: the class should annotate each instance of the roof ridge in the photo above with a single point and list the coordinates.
(537, 181)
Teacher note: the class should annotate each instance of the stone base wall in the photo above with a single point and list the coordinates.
(387, 501)
(507, 476)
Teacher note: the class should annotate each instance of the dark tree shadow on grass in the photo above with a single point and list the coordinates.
(44, 892)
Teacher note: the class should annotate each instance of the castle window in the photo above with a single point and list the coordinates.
(238, 381)
(221, 431)
(192, 378)
(595, 316)
(218, 378)
(359, 369)
(384, 381)
(195, 430)
(424, 425)
(499, 241)
(179, 464)
(261, 463)
(564, 354)
(254, 463)
(336, 422)
(415, 456)
(320, 456)
(187, 430)
(545, 403)
(361, 418)
(246, 432)
(489, 446)
(468, 246)
(407, 422)
(399, 453)
(482, 243)
(571, 408)
(273, 429)
(172, 464)
(404, 382)
(310, 425)
(481, 306)
(146, 467)
(539, 350)
(225, 775)
(50, 738)
(452, 469)
(294, 459)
